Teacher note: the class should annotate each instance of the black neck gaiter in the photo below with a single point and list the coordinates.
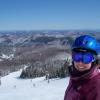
(76, 73)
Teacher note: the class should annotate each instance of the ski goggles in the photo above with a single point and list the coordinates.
(85, 57)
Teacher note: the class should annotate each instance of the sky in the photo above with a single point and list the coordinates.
(49, 14)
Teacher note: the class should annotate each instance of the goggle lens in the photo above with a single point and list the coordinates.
(85, 57)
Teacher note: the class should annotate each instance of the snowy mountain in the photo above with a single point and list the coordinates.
(14, 88)
(18, 48)
(39, 37)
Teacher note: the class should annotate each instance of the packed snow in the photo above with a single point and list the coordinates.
(14, 88)
(7, 57)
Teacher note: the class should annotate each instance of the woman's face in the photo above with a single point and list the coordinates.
(81, 66)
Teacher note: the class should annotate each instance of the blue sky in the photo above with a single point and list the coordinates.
(49, 14)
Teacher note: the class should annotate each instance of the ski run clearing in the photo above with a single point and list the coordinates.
(14, 88)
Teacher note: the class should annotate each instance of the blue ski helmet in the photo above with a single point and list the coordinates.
(86, 42)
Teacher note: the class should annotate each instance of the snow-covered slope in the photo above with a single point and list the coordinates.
(13, 88)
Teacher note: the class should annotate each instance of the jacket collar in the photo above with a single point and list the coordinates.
(92, 73)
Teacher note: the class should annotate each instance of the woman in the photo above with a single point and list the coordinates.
(84, 81)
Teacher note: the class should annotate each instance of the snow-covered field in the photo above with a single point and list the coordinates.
(13, 88)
